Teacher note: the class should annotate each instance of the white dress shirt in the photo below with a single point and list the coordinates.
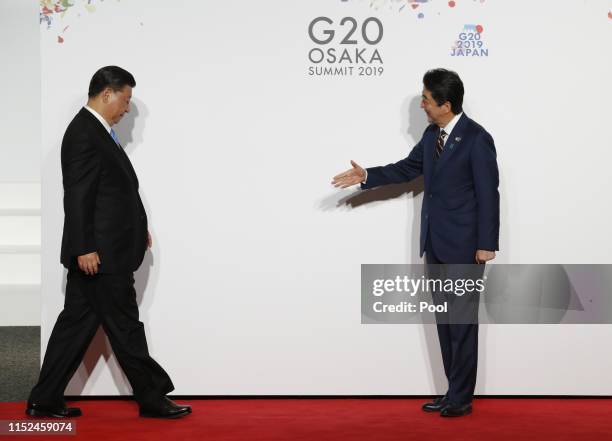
(450, 126)
(100, 118)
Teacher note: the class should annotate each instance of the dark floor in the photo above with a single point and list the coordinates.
(19, 361)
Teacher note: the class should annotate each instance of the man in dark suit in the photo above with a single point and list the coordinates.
(459, 218)
(104, 241)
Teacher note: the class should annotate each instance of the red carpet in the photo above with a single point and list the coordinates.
(339, 419)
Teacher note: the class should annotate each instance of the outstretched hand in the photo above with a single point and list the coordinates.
(352, 176)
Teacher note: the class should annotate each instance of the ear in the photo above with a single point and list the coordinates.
(106, 95)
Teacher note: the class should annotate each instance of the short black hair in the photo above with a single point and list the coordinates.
(110, 76)
(445, 85)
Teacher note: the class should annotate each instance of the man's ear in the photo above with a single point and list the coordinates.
(106, 95)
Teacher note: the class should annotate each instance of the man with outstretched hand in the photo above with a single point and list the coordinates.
(459, 217)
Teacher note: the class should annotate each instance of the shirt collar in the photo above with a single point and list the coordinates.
(452, 123)
(100, 118)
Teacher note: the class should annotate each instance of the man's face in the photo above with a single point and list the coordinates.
(435, 113)
(117, 103)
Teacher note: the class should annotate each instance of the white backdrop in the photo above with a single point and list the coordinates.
(252, 286)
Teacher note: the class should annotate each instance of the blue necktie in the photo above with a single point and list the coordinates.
(115, 138)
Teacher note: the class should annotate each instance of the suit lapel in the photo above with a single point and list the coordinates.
(117, 151)
(453, 143)
(128, 164)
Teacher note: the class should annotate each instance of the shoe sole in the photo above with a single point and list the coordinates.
(455, 416)
(46, 414)
(166, 417)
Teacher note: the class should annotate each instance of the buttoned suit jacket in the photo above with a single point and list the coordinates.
(460, 212)
(103, 211)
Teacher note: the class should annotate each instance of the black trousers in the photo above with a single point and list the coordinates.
(457, 328)
(108, 300)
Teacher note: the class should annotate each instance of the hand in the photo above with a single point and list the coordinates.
(149, 240)
(352, 176)
(483, 256)
(89, 263)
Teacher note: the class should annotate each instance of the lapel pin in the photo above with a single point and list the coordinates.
(457, 139)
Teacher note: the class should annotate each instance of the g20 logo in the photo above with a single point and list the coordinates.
(469, 43)
(345, 48)
(327, 35)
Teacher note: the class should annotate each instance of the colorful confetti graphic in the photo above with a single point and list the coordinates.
(50, 9)
(413, 5)
(54, 13)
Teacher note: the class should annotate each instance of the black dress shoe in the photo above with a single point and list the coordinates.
(165, 408)
(456, 410)
(42, 411)
(437, 405)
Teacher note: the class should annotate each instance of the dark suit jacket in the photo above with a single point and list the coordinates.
(460, 210)
(103, 210)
